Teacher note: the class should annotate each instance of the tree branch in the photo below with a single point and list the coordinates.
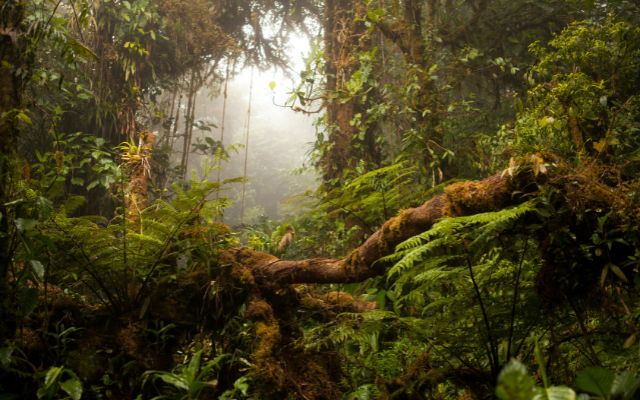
(458, 199)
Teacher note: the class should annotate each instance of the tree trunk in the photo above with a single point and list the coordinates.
(166, 138)
(11, 59)
(138, 174)
(342, 36)
(174, 134)
(188, 124)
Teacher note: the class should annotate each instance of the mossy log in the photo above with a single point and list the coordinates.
(459, 199)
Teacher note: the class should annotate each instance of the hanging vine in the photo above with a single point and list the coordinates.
(246, 149)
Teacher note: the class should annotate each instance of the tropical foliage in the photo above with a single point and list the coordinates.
(119, 278)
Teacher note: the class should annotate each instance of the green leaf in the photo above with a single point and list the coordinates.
(38, 268)
(595, 380)
(603, 275)
(603, 101)
(5, 355)
(630, 341)
(514, 383)
(73, 387)
(173, 380)
(13, 203)
(77, 181)
(241, 385)
(540, 360)
(23, 117)
(52, 376)
(81, 50)
(375, 15)
(625, 386)
(555, 393)
(616, 270)
(93, 184)
(192, 369)
(25, 224)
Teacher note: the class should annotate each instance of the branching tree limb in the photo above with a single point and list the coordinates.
(458, 199)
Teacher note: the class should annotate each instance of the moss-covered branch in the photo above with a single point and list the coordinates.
(458, 199)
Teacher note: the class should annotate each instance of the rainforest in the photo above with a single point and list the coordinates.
(320, 199)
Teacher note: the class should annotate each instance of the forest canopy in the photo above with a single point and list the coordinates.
(473, 233)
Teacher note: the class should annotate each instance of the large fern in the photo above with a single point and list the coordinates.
(447, 242)
(452, 293)
(459, 276)
(115, 260)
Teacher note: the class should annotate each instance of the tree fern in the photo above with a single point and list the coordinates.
(409, 258)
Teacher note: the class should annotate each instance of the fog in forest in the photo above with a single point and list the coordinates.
(280, 139)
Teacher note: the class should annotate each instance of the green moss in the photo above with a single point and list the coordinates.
(353, 261)
(268, 336)
(469, 196)
(391, 228)
(396, 224)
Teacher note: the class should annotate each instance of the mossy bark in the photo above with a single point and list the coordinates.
(11, 60)
(345, 36)
(459, 199)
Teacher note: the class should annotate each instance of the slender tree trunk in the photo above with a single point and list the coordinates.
(174, 134)
(222, 120)
(222, 126)
(246, 149)
(190, 127)
(167, 134)
(187, 125)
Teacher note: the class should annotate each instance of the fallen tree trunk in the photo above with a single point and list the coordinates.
(571, 199)
(459, 199)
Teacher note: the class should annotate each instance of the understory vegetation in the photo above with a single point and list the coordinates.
(475, 233)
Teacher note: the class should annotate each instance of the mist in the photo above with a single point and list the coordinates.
(280, 139)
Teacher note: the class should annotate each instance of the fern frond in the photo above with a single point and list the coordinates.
(413, 257)
(378, 315)
(144, 241)
(499, 221)
(414, 298)
(159, 229)
(434, 274)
